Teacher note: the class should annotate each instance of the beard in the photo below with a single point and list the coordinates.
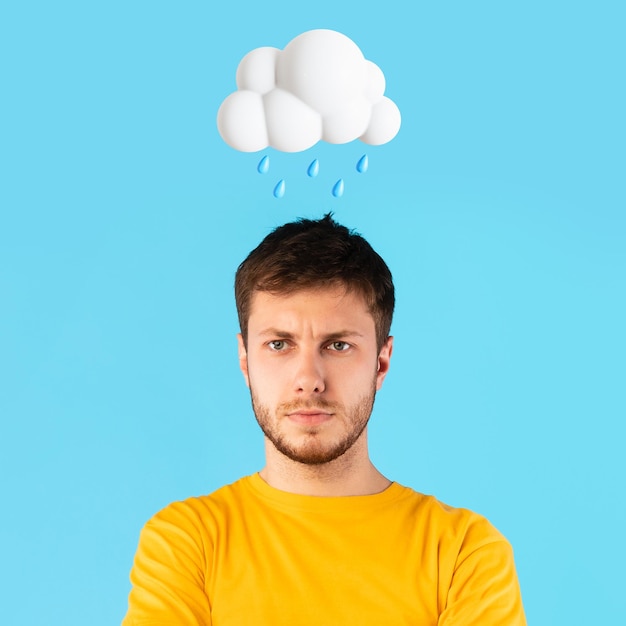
(315, 450)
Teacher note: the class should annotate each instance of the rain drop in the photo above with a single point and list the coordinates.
(362, 164)
(279, 190)
(338, 188)
(264, 165)
(313, 169)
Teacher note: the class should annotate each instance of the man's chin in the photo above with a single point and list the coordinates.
(311, 454)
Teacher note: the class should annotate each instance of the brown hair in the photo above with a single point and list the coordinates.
(316, 253)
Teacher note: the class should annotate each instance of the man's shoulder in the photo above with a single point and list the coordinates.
(441, 518)
(201, 510)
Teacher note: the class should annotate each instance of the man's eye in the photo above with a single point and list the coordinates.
(339, 346)
(277, 345)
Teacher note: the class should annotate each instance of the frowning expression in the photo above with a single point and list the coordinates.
(313, 369)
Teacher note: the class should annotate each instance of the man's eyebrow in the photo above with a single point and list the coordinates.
(343, 334)
(275, 332)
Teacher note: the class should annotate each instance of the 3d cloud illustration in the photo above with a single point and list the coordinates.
(320, 87)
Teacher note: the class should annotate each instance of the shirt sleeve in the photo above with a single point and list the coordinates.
(484, 590)
(168, 573)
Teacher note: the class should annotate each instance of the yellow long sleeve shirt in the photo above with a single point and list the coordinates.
(251, 555)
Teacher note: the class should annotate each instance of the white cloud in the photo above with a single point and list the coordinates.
(320, 87)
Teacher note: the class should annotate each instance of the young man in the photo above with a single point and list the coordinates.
(319, 536)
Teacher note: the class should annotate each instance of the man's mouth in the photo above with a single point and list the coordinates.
(309, 417)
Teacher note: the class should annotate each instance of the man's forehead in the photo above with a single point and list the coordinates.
(336, 305)
(337, 293)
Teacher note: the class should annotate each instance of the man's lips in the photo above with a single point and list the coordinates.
(309, 417)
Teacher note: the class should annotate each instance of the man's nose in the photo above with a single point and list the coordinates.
(309, 373)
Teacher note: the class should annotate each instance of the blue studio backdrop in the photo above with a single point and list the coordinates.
(499, 206)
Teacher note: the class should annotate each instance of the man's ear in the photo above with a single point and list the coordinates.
(384, 357)
(243, 359)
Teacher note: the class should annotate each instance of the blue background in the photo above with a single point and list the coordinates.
(499, 208)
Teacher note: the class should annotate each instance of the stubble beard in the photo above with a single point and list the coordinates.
(314, 451)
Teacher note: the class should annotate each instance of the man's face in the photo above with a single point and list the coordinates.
(313, 369)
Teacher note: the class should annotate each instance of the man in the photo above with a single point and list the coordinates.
(319, 536)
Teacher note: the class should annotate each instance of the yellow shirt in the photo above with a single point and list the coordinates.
(251, 555)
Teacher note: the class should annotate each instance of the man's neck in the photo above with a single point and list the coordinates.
(351, 474)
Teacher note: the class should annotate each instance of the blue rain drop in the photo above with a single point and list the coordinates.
(313, 169)
(264, 165)
(279, 190)
(362, 164)
(338, 188)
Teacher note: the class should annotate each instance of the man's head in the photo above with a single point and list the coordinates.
(309, 254)
(315, 304)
